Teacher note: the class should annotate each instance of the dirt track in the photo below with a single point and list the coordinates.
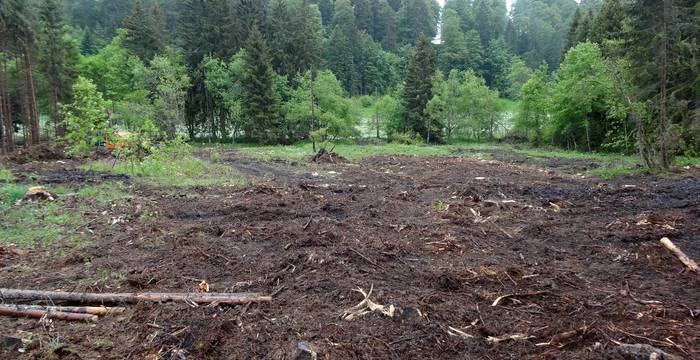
(439, 238)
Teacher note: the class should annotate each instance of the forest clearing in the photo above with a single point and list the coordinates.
(349, 179)
(468, 247)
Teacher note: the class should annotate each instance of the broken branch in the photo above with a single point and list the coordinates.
(688, 262)
(133, 298)
(92, 310)
(38, 314)
(498, 300)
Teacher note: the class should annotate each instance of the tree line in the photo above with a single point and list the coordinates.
(276, 71)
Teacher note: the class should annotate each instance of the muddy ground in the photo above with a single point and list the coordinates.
(438, 238)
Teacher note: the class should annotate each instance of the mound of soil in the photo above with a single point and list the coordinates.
(42, 152)
(328, 157)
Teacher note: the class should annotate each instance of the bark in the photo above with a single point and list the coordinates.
(92, 310)
(132, 298)
(31, 99)
(664, 138)
(38, 314)
(5, 115)
(688, 262)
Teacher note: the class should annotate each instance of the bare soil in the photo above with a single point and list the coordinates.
(440, 238)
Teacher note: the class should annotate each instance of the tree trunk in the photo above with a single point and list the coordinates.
(31, 99)
(664, 138)
(133, 298)
(5, 110)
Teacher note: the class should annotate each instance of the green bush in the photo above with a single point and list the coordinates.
(406, 139)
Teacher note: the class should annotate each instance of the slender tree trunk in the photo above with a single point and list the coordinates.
(588, 134)
(5, 108)
(22, 86)
(664, 138)
(32, 112)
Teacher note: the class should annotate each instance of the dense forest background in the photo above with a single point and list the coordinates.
(612, 75)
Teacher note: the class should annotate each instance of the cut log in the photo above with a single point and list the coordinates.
(93, 310)
(38, 314)
(133, 298)
(688, 262)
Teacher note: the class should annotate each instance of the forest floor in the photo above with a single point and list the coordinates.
(440, 238)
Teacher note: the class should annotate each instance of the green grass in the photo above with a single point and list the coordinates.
(31, 224)
(6, 175)
(106, 193)
(304, 151)
(172, 167)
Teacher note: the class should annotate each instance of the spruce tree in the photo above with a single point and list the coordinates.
(572, 36)
(87, 44)
(58, 59)
(658, 45)
(142, 34)
(247, 14)
(341, 46)
(260, 100)
(608, 22)
(418, 91)
(306, 36)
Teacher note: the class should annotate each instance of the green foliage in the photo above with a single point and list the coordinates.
(540, 28)
(534, 102)
(10, 194)
(59, 57)
(5, 175)
(319, 102)
(261, 101)
(406, 139)
(478, 107)
(518, 74)
(172, 164)
(112, 69)
(168, 80)
(144, 32)
(86, 118)
(582, 99)
(387, 114)
(418, 91)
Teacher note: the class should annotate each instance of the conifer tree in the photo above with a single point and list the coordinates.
(418, 91)
(261, 102)
(341, 46)
(58, 59)
(572, 36)
(142, 37)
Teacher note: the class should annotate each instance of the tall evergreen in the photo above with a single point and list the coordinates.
(143, 34)
(418, 91)
(659, 47)
(261, 102)
(58, 59)
(340, 48)
(609, 20)
(414, 18)
(490, 19)
(572, 35)
(306, 37)
(247, 14)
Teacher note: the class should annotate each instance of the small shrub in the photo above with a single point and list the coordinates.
(406, 138)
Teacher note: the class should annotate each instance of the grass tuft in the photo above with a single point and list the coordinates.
(173, 167)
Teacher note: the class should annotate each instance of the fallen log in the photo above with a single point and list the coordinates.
(688, 262)
(133, 298)
(93, 310)
(38, 314)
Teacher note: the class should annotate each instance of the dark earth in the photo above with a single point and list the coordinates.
(439, 238)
